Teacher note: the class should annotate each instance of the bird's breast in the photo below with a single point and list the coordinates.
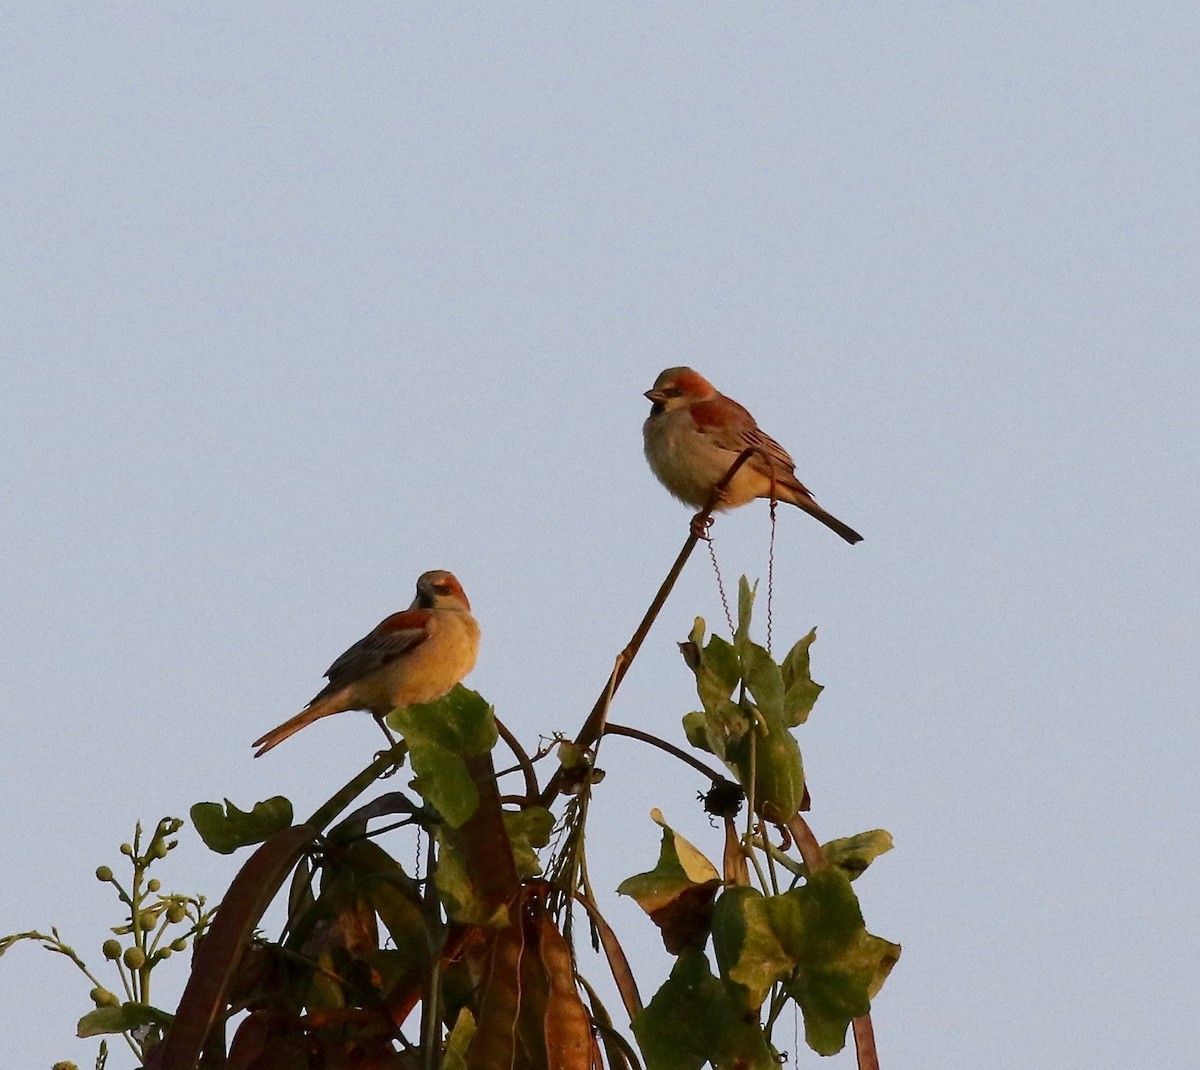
(440, 662)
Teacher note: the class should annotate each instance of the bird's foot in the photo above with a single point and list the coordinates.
(397, 760)
(700, 525)
(393, 748)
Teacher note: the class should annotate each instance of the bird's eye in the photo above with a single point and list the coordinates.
(672, 392)
(442, 588)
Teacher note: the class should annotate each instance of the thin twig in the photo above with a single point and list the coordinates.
(522, 756)
(645, 737)
(591, 727)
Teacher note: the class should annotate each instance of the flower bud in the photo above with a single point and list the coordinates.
(179, 945)
(158, 849)
(163, 953)
(127, 849)
(103, 873)
(153, 885)
(111, 949)
(176, 912)
(102, 997)
(134, 958)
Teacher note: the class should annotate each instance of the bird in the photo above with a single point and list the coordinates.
(412, 657)
(693, 435)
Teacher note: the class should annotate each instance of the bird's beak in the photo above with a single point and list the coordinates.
(655, 395)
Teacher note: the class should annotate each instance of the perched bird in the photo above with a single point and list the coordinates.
(409, 658)
(694, 433)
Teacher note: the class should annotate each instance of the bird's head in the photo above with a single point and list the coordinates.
(678, 387)
(440, 589)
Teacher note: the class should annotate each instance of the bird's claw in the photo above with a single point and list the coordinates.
(397, 762)
(700, 525)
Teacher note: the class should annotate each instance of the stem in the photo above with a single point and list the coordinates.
(124, 981)
(591, 729)
(864, 1043)
(809, 849)
(329, 810)
(662, 744)
(431, 1041)
(790, 864)
(523, 761)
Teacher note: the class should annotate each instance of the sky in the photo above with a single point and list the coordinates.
(301, 300)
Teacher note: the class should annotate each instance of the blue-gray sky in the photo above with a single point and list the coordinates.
(301, 300)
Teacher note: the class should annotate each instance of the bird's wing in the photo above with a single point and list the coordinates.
(734, 429)
(392, 637)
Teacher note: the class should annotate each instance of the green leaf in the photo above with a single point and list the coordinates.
(800, 691)
(745, 605)
(658, 886)
(225, 830)
(751, 738)
(840, 965)
(678, 892)
(528, 829)
(439, 735)
(121, 1019)
(779, 773)
(459, 1040)
(764, 680)
(852, 854)
(695, 728)
(748, 952)
(691, 1020)
(460, 721)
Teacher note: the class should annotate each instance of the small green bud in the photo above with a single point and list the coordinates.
(179, 945)
(158, 849)
(64, 1066)
(148, 920)
(153, 885)
(127, 849)
(111, 949)
(176, 912)
(103, 873)
(163, 953)
(134, 958)
(102, 997)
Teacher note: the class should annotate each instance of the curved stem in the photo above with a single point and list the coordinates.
(662, 744)
(523, 761)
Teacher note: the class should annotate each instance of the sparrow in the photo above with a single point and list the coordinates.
(409, 658)
(694, 433)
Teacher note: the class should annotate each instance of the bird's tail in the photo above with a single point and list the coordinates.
(321, 706)
(803, 501)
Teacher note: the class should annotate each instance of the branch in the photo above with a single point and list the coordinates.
(662, 744)
(590, 731)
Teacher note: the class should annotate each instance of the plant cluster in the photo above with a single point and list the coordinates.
(463, 957)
